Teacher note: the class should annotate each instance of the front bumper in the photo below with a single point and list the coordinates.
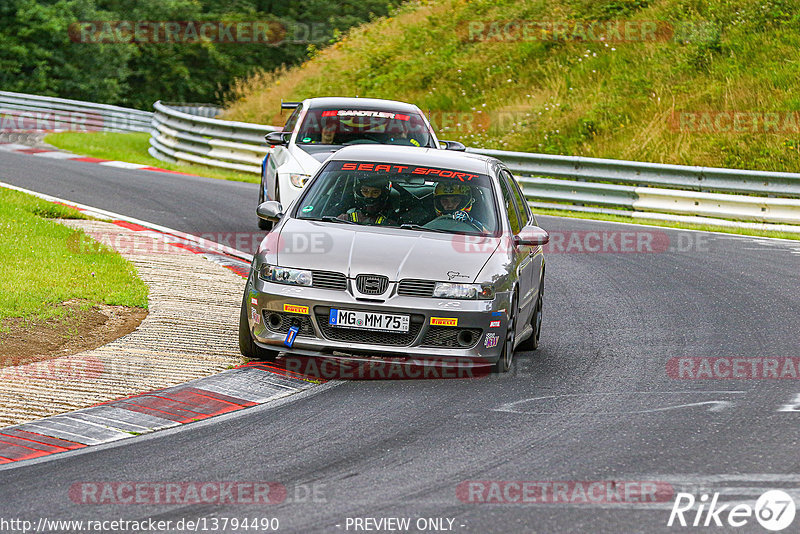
(474, 329)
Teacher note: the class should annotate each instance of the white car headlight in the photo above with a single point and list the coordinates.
(299, 180)
(447, 290)
(283, 275)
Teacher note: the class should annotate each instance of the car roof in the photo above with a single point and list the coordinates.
(429, 157)
(375, 104)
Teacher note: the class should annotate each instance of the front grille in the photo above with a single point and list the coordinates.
(416, 288)
(287, 320)
(447, 337)
(328, 280)
(371, 284)
(370, 337)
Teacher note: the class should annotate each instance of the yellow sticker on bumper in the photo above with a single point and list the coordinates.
(291, 308)
(444, 321)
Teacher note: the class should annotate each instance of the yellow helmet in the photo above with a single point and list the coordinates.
(446, 189)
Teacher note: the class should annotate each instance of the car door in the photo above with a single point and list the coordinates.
(527, 218)
(522, 256)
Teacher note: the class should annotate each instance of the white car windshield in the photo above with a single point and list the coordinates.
(406, 196)
(361, 126)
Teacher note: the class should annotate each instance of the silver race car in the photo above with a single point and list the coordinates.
(399, 252)
(319, 126)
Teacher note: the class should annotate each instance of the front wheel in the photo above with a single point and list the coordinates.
(507, 354)
(532, 343)
(247, 346)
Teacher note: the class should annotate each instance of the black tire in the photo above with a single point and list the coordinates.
(246, 345)
(532, 343)
(507, 354)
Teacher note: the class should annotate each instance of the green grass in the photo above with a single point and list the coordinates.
(586, 98)
(132, 148)
(42, 263)
(667, 224)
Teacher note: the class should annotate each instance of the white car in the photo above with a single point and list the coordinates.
(320, 126)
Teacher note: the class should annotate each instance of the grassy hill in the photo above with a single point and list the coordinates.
(667, 95)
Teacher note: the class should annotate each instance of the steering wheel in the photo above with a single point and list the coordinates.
(362, 141)
(450, 223)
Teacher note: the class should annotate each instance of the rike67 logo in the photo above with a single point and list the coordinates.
(774, 510)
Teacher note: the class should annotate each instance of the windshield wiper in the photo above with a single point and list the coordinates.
(409, 226)
(331, 218)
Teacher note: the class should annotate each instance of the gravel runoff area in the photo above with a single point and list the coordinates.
(190, 332)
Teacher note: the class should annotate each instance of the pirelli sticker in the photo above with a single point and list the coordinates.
(444, 321)
(291, 308)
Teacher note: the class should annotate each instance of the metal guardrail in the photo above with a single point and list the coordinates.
(599, 184)
(185, 133)
(190, 133)
(561, 182)
(29, 113)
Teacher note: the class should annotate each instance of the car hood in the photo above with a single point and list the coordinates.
(309, 163)
(319, 152)
(390, 252)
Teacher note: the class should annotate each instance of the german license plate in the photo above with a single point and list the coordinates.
(368, 320)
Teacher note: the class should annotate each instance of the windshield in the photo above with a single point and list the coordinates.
(403, 196)
(357, 126)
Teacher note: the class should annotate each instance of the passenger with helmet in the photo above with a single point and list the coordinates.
(455, 200)
(371, 194)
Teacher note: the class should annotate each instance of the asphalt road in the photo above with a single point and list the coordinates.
(595, 403)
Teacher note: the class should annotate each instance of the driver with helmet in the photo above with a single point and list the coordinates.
(454, 200)
(330, 125)
(371, 194)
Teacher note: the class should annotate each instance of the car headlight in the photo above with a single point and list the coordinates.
(283, 275)
(298, 180)
(446, 290)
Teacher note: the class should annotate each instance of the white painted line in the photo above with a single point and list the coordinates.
(217, 420)
(716, 405)
(123, 164)
(56, 155)
(57, 433)
(109, 215)
(12, 147)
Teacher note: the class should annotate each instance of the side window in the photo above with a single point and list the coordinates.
(519, 198)
(289, 126)
(509, 205)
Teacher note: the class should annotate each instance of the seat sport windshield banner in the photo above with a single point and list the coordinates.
(395, 169)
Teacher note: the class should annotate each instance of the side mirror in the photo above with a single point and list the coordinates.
(277, 138)
(270, 210)
(452, 145)
(531, 236)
